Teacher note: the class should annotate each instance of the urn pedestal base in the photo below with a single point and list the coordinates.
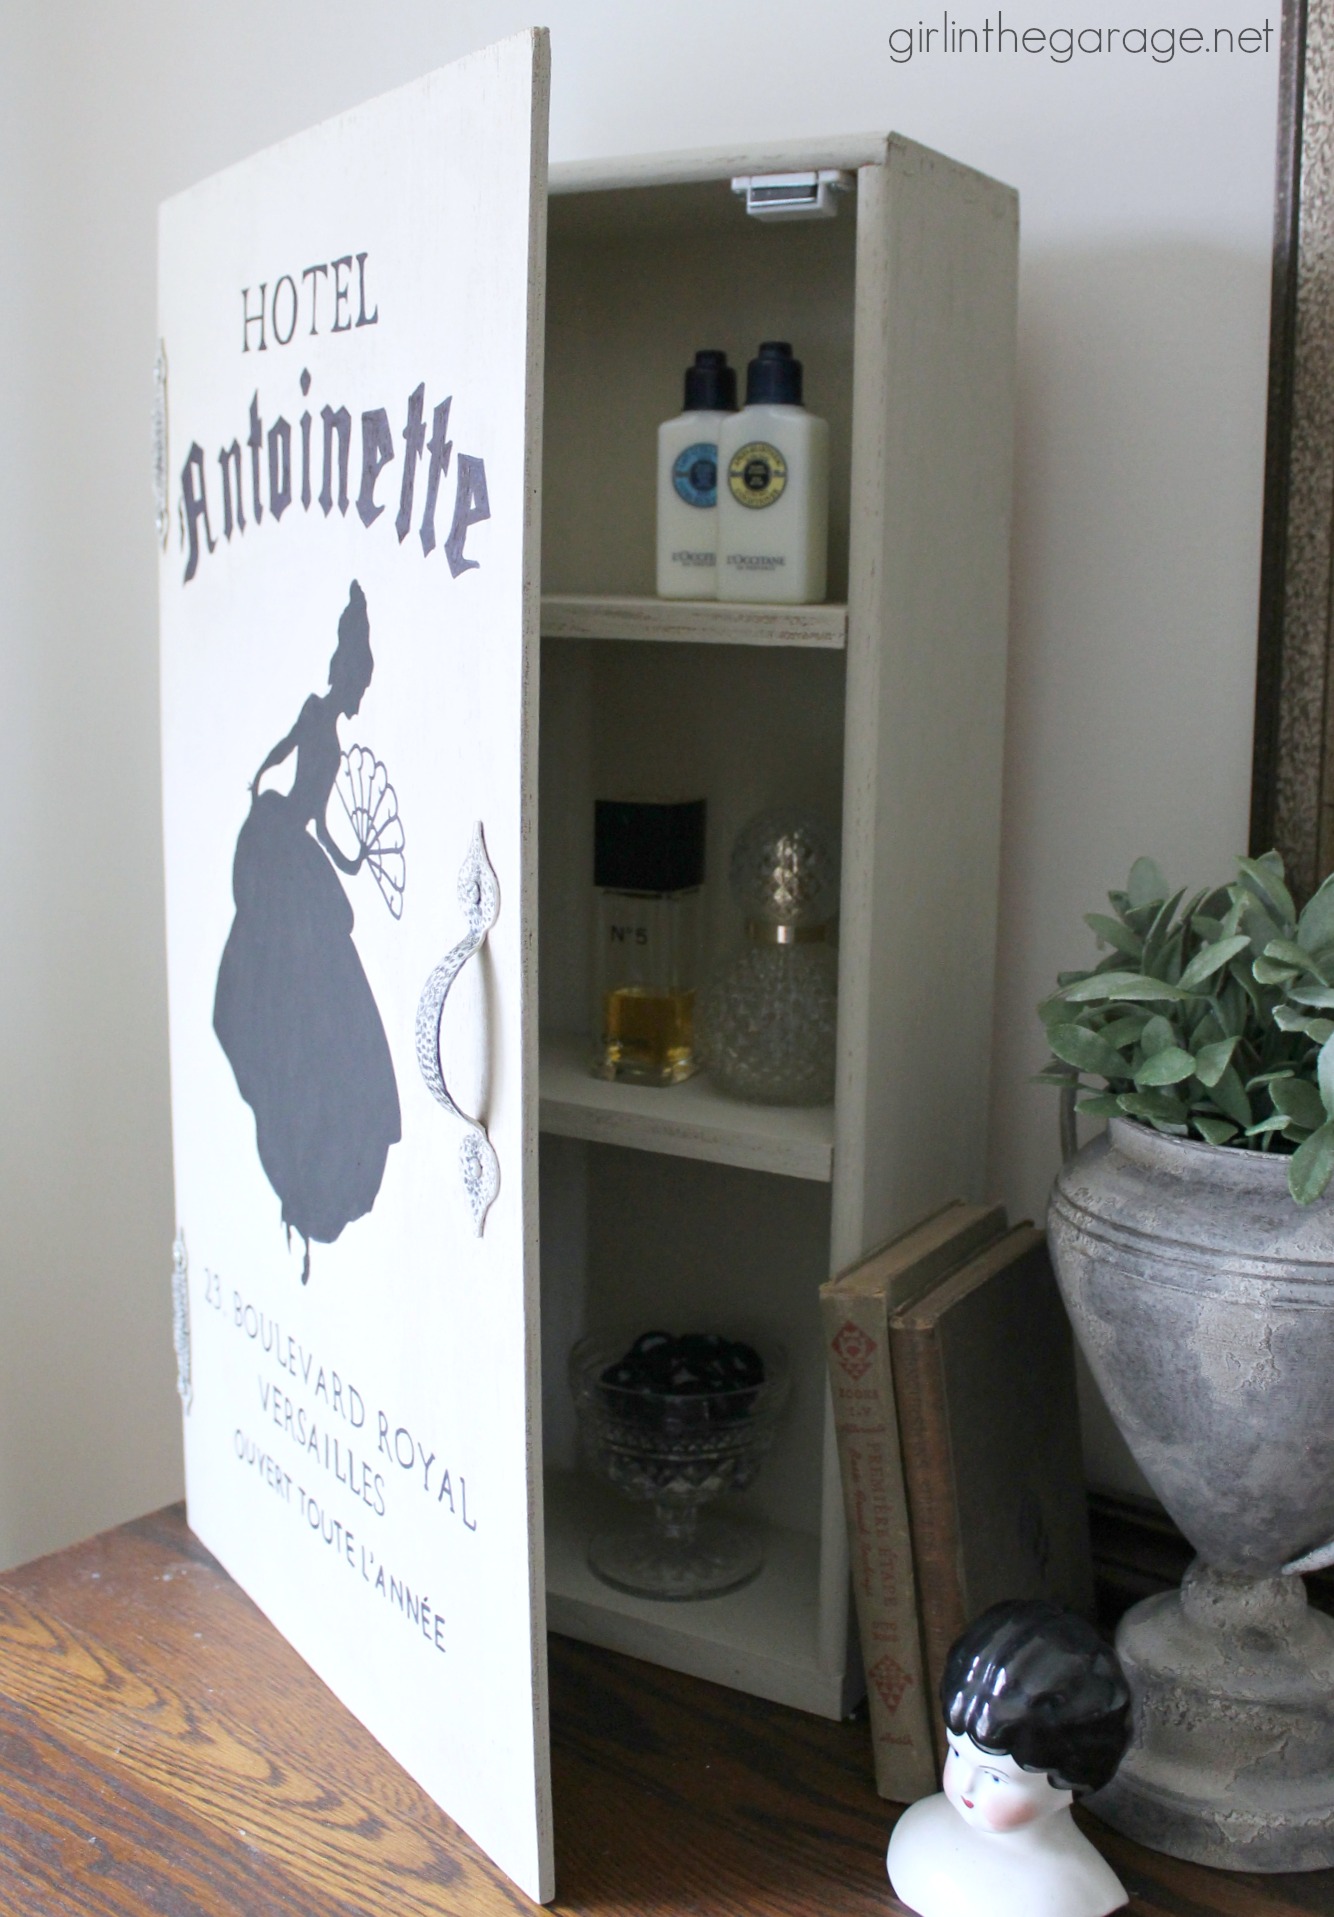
(1232, 1762)
(1203, 1298)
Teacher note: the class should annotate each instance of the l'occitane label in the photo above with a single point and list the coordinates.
(757, 474)
(695, 474)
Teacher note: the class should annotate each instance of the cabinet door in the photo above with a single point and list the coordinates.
(351, 330)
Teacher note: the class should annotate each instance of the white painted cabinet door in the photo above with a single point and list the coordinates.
(351, 330)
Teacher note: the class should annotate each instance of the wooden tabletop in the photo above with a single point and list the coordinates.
(164, 1751)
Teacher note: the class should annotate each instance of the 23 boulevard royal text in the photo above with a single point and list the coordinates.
(319, 299)
(324, 1422)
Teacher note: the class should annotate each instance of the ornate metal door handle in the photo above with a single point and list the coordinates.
(479, 895)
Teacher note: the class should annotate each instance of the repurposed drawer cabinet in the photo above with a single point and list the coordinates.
(882, 709)
(406, 508)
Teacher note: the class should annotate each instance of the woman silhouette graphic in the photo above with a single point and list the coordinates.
(293, 1009)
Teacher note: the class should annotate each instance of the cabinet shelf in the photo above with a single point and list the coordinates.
(762, 1639)
(691, 1120)
(692, 621)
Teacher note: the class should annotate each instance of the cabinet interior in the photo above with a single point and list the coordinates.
(745, 727)
(638, 280)
(651, 1240)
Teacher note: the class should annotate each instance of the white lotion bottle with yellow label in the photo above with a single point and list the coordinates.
(773, 489)
(688, 481)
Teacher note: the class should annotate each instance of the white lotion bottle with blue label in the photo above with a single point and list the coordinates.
(688, 481)
(773, 489)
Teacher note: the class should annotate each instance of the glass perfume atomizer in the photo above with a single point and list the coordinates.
(770, 1015)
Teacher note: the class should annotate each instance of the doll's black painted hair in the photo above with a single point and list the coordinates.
(1035, 1681)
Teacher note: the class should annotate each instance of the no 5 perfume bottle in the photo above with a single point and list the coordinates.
(743, 497)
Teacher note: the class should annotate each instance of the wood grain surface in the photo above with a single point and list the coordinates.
(164, 1751)
(693, 621)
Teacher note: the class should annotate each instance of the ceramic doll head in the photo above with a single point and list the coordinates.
(1036, 1708)
(991, 1791)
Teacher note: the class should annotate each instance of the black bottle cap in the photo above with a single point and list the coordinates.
(644, 847)
(710, 384)
(774, 378)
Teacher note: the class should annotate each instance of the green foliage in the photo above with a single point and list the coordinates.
(1210, 1019)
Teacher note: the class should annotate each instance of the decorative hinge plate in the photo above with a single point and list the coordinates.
(180, 1317)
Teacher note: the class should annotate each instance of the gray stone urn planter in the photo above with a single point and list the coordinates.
(1203, 1298)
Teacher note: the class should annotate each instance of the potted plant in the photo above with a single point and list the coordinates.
(1211, 1020)
(1194, 1245)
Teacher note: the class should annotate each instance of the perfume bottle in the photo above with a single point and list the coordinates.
(770, 1015)
(648, 870)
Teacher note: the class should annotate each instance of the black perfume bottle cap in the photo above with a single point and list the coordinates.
(641, 846)
(710, 384)
(773, 378)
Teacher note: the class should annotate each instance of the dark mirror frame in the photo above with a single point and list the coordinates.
(1292, 792)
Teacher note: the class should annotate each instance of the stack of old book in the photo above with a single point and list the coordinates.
(952, 1370)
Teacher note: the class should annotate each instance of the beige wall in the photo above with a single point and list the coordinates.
(1146, 216)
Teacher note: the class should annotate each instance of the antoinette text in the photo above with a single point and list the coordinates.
(279, 474)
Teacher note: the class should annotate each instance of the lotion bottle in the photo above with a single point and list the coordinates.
(688, 481)
(773, 489)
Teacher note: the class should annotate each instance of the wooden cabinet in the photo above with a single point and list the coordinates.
(354, 457)
(883, 709)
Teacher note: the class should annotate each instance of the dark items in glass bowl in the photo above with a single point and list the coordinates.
(675, 1422)
(697, 1379)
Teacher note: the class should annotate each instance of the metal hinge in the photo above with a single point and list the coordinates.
(180, 1317)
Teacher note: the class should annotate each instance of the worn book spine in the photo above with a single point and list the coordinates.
(919, 1380)
(989, 1425)
(874, 1498)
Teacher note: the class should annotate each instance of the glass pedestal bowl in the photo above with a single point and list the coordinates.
(676, 1450)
